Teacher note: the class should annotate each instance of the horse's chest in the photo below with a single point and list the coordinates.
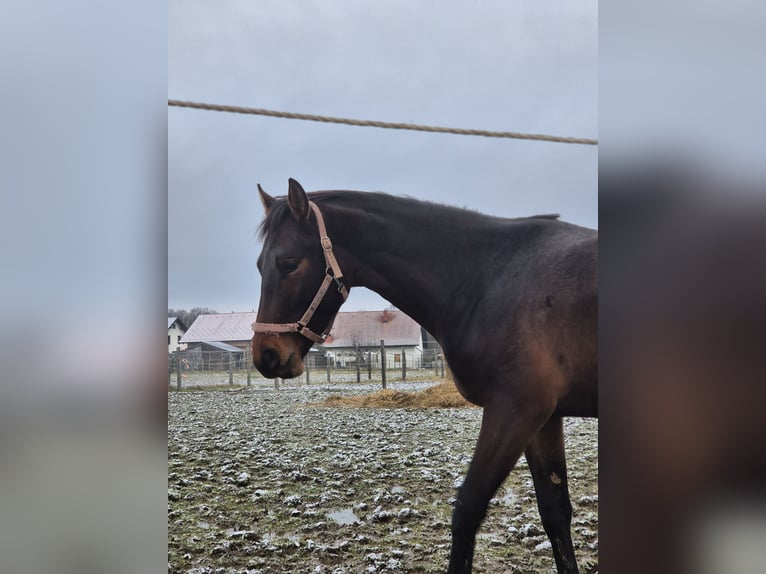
(472, 386)
(469, 393)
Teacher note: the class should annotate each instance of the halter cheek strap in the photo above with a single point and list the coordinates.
(333, 274)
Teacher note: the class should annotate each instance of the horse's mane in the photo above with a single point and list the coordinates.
(280, 210)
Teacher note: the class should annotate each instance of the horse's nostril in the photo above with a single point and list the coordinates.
(270, 358)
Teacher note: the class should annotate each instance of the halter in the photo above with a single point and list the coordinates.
(332, 274)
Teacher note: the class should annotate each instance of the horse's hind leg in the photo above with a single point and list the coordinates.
(505, 432)
(547, 463)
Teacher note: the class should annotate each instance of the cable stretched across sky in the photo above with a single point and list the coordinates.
(379, 124)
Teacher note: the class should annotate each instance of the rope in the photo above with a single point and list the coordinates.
(376, 124)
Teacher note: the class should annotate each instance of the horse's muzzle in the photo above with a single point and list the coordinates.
(274, 359)
(269, 360)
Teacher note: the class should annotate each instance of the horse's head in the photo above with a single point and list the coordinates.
(293, 266)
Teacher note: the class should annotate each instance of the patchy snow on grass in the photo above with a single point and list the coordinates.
(260, 481)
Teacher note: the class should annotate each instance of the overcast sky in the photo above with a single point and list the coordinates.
(518, 66)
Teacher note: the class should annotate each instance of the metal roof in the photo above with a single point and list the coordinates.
(172, 320)
(220, 327)
(367, 328)
(222, 346)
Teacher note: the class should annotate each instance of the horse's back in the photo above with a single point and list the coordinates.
(533, 318)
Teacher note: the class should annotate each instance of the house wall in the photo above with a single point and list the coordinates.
(174, 335)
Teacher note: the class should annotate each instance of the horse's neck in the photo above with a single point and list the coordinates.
(416, 260)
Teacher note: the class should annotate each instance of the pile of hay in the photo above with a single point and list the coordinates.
(441, 396)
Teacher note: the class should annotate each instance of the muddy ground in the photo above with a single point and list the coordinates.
(259, 482)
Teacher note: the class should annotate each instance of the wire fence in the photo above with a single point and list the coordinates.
(199, 367)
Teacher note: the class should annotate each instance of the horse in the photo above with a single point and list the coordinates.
(513, 303)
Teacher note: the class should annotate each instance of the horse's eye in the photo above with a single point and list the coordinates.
(288, 265)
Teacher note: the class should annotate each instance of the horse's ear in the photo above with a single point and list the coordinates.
(266, 199)
(297, 200)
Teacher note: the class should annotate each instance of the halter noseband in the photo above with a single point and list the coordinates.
(332, 274)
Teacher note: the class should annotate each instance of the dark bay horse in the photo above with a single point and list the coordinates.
(513, 303)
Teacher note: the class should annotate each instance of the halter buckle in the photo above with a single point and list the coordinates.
(326, 243)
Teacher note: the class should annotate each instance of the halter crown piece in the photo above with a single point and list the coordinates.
(333, 274)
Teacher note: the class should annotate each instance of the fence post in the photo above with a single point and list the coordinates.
(358, 367)
(276, 383)
(369, 364)
(383, 362)
(231, 369)
(178, 368)
(249, 362)
(404, 364)
(327, 364)
(441, 362)
(308, 369)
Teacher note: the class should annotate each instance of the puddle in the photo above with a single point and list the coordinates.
(343, 516)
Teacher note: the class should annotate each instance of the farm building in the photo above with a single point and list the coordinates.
(432, 351)
(213, 356)
(234, 329)
(176, 330)
(360, 332)
(352, 330)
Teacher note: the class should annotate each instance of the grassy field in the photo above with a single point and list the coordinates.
(261, 480)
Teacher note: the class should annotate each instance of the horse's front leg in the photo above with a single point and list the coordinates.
(506, 429)
(547, 463)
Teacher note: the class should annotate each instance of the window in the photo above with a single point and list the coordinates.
(168, 339)
(179, 339)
